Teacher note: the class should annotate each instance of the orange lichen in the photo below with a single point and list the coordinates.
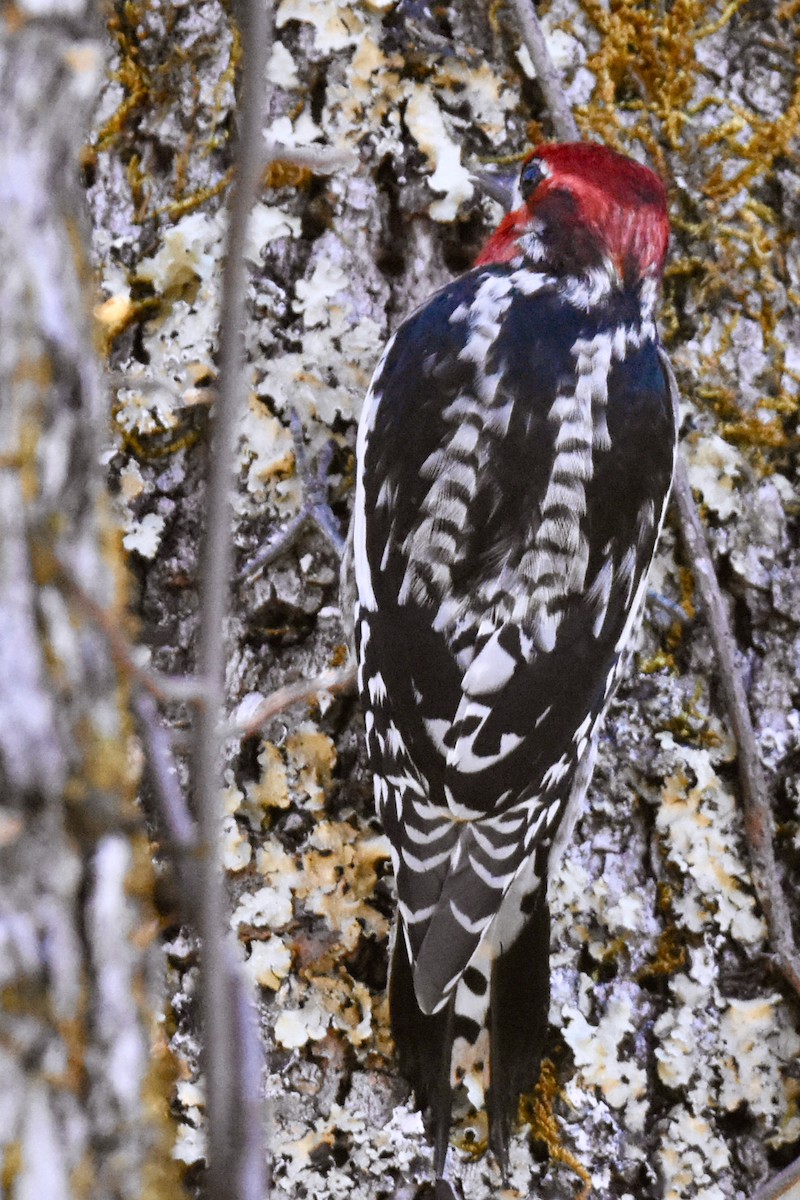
(537, 1111)
(670, 957)
(729, 256)
(285, 174)
(151, 83)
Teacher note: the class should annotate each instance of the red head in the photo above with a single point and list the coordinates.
(585, 207)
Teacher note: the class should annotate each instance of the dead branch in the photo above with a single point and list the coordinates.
(305, 690)
(546, 74)
(236, 1161)
(783, 1186)
(324, 160)
(176, 827)
(180, 838)
(165, 688)
(315, 508)
(758, 819)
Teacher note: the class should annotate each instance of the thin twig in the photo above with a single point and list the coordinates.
(315, 484)
(758, 818)
(785, 1186)
(324, 160)
(230, 1175)
(546, 74)
(253, 1112)
(759, 822)
(165, 688)
(341, 680)
(176, 824)
(276, 547)
(315, 508)
(179, 833)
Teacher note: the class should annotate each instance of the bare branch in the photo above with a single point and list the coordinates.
(233, 1169)
(172, 812)
(341, 680)
(783, 1186)
(759, 822)
(181, 841)
(324, 160)
(178, 831)
(276, 547)
(546, 74)
(315, 508)
(165, 688)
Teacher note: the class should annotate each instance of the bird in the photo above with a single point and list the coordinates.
(514, 459)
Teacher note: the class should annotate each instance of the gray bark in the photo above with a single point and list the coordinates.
(77, 1028)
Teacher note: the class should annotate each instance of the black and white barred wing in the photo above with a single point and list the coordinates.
(509, 503)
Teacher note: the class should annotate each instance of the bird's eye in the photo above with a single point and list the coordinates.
(531, 176)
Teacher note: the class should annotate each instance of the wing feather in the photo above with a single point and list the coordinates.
(506, 546)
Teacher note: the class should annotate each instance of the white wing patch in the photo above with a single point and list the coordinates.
(490, 669)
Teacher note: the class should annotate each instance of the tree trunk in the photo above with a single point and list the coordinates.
(84, 1070)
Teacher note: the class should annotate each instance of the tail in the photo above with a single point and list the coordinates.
(517, 1021)
(424, 1045)
(520, 1000)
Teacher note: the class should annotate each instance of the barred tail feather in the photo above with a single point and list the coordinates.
(424, 1045)
(520, 999)
(519, 995)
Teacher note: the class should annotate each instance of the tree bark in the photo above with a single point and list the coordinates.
(84, 1070)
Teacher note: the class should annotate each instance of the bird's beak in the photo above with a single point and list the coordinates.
(498, 185)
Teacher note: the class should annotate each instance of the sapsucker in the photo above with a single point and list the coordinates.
(515, 454)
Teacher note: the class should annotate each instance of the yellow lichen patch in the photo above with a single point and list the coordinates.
(686, 579)
(659, 661)
(348, 1002)
(114, 315)
(382, 1043)
(189, 204)
(269, 963)
(536, 1111)
(336, 26)
(427, 126)
(695, 725)
(11, 1166)
(657, 93)
(155, 444)
(367, 59)
(313, 756)
(160, 1172)
(139, 880)
(100, 792)
(284, 174)
(299, 1151)
(272, 859)
(698, 821)
(272, 789)
(339, 655)
(269, 454)
(756, 1039)
(338, 880)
